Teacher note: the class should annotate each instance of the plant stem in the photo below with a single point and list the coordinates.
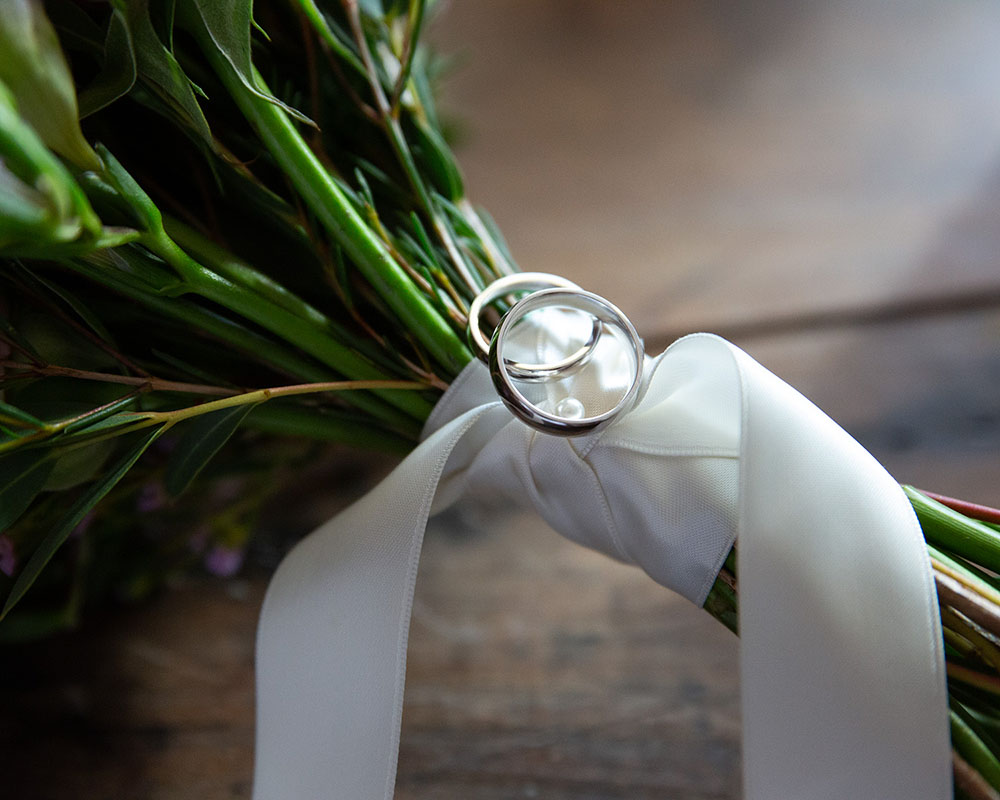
(393, 130)
(951, 592)
(973, 510)
(958, 534)
(271, 316)
(337, 215)
(146, 382)
(416, 19)
(137, 420)
(262, 395)
(224, 263)
(260, 347)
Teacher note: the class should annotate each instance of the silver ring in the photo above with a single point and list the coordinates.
(527, 281)
(602, 310)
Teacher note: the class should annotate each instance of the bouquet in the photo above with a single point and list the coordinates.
(230, 237)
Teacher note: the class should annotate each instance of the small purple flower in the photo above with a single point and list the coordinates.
(198, 539)
(151, 496)
(223, 561)
(82, 525)
(8, 558)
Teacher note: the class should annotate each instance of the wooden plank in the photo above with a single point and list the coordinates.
(705, 166)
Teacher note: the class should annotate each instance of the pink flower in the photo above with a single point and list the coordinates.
(8, 558)
(223, 561)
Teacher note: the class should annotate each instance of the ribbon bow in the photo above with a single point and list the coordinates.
(841, 699)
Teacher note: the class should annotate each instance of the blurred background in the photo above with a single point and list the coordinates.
(820, 183)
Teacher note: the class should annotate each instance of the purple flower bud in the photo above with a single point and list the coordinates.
(8, 558)
(82, 525)
(198, 539)
(223, 561)
(151, 496)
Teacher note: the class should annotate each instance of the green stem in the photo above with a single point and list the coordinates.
(335, 213)
(262, 395)
(224, 263)
(969, 746)
(416, 20)
(956, 533)
(397, 140)
(260, 347)
(498, 260)
(271, 316)
(137, 420)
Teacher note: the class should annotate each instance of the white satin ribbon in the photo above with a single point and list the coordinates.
(841, 658)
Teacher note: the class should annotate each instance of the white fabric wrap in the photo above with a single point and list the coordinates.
(841, 658)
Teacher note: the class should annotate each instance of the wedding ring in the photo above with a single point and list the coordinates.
(519, 282)
(602, 311)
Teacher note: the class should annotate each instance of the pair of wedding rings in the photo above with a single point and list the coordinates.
(550, 291)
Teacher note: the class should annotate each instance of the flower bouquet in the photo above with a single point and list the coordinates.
(230, 237)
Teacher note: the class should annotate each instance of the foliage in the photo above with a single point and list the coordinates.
(222, 240)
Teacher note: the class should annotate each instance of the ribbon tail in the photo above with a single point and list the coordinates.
(842, 668)
(331, 642)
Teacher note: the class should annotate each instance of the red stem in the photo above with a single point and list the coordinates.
(973, 510)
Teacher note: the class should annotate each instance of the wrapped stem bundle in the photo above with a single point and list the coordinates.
(185, 256)
(225, 241)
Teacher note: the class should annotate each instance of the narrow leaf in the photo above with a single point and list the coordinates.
(82, 311)
(58, 535)
(118, 72)
(22, 476)
(199, 444)
(91, 418)
(9, 413)
(226, 25)
(158, 69)
(108, 423)
(438, 161)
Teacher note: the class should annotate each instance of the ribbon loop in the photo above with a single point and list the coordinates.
(841, 661)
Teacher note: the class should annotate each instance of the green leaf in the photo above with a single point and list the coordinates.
(145, 209)
(199, 444)
(55, 251)
(22, 476)
(339, 44)
(107, 423)
(438, 161)
(226, 25)
(159, 70)
(37, 188)
(75, 466)
(11, 413)
(34, 69)
(82, 311)
(60, 533)
(118, 71)
(91, 418)
(13, 335)
(77, 30)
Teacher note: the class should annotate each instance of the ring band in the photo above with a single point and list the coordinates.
(524, 409)
(527, 281)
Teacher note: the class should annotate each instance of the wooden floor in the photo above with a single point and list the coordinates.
(821, 183)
